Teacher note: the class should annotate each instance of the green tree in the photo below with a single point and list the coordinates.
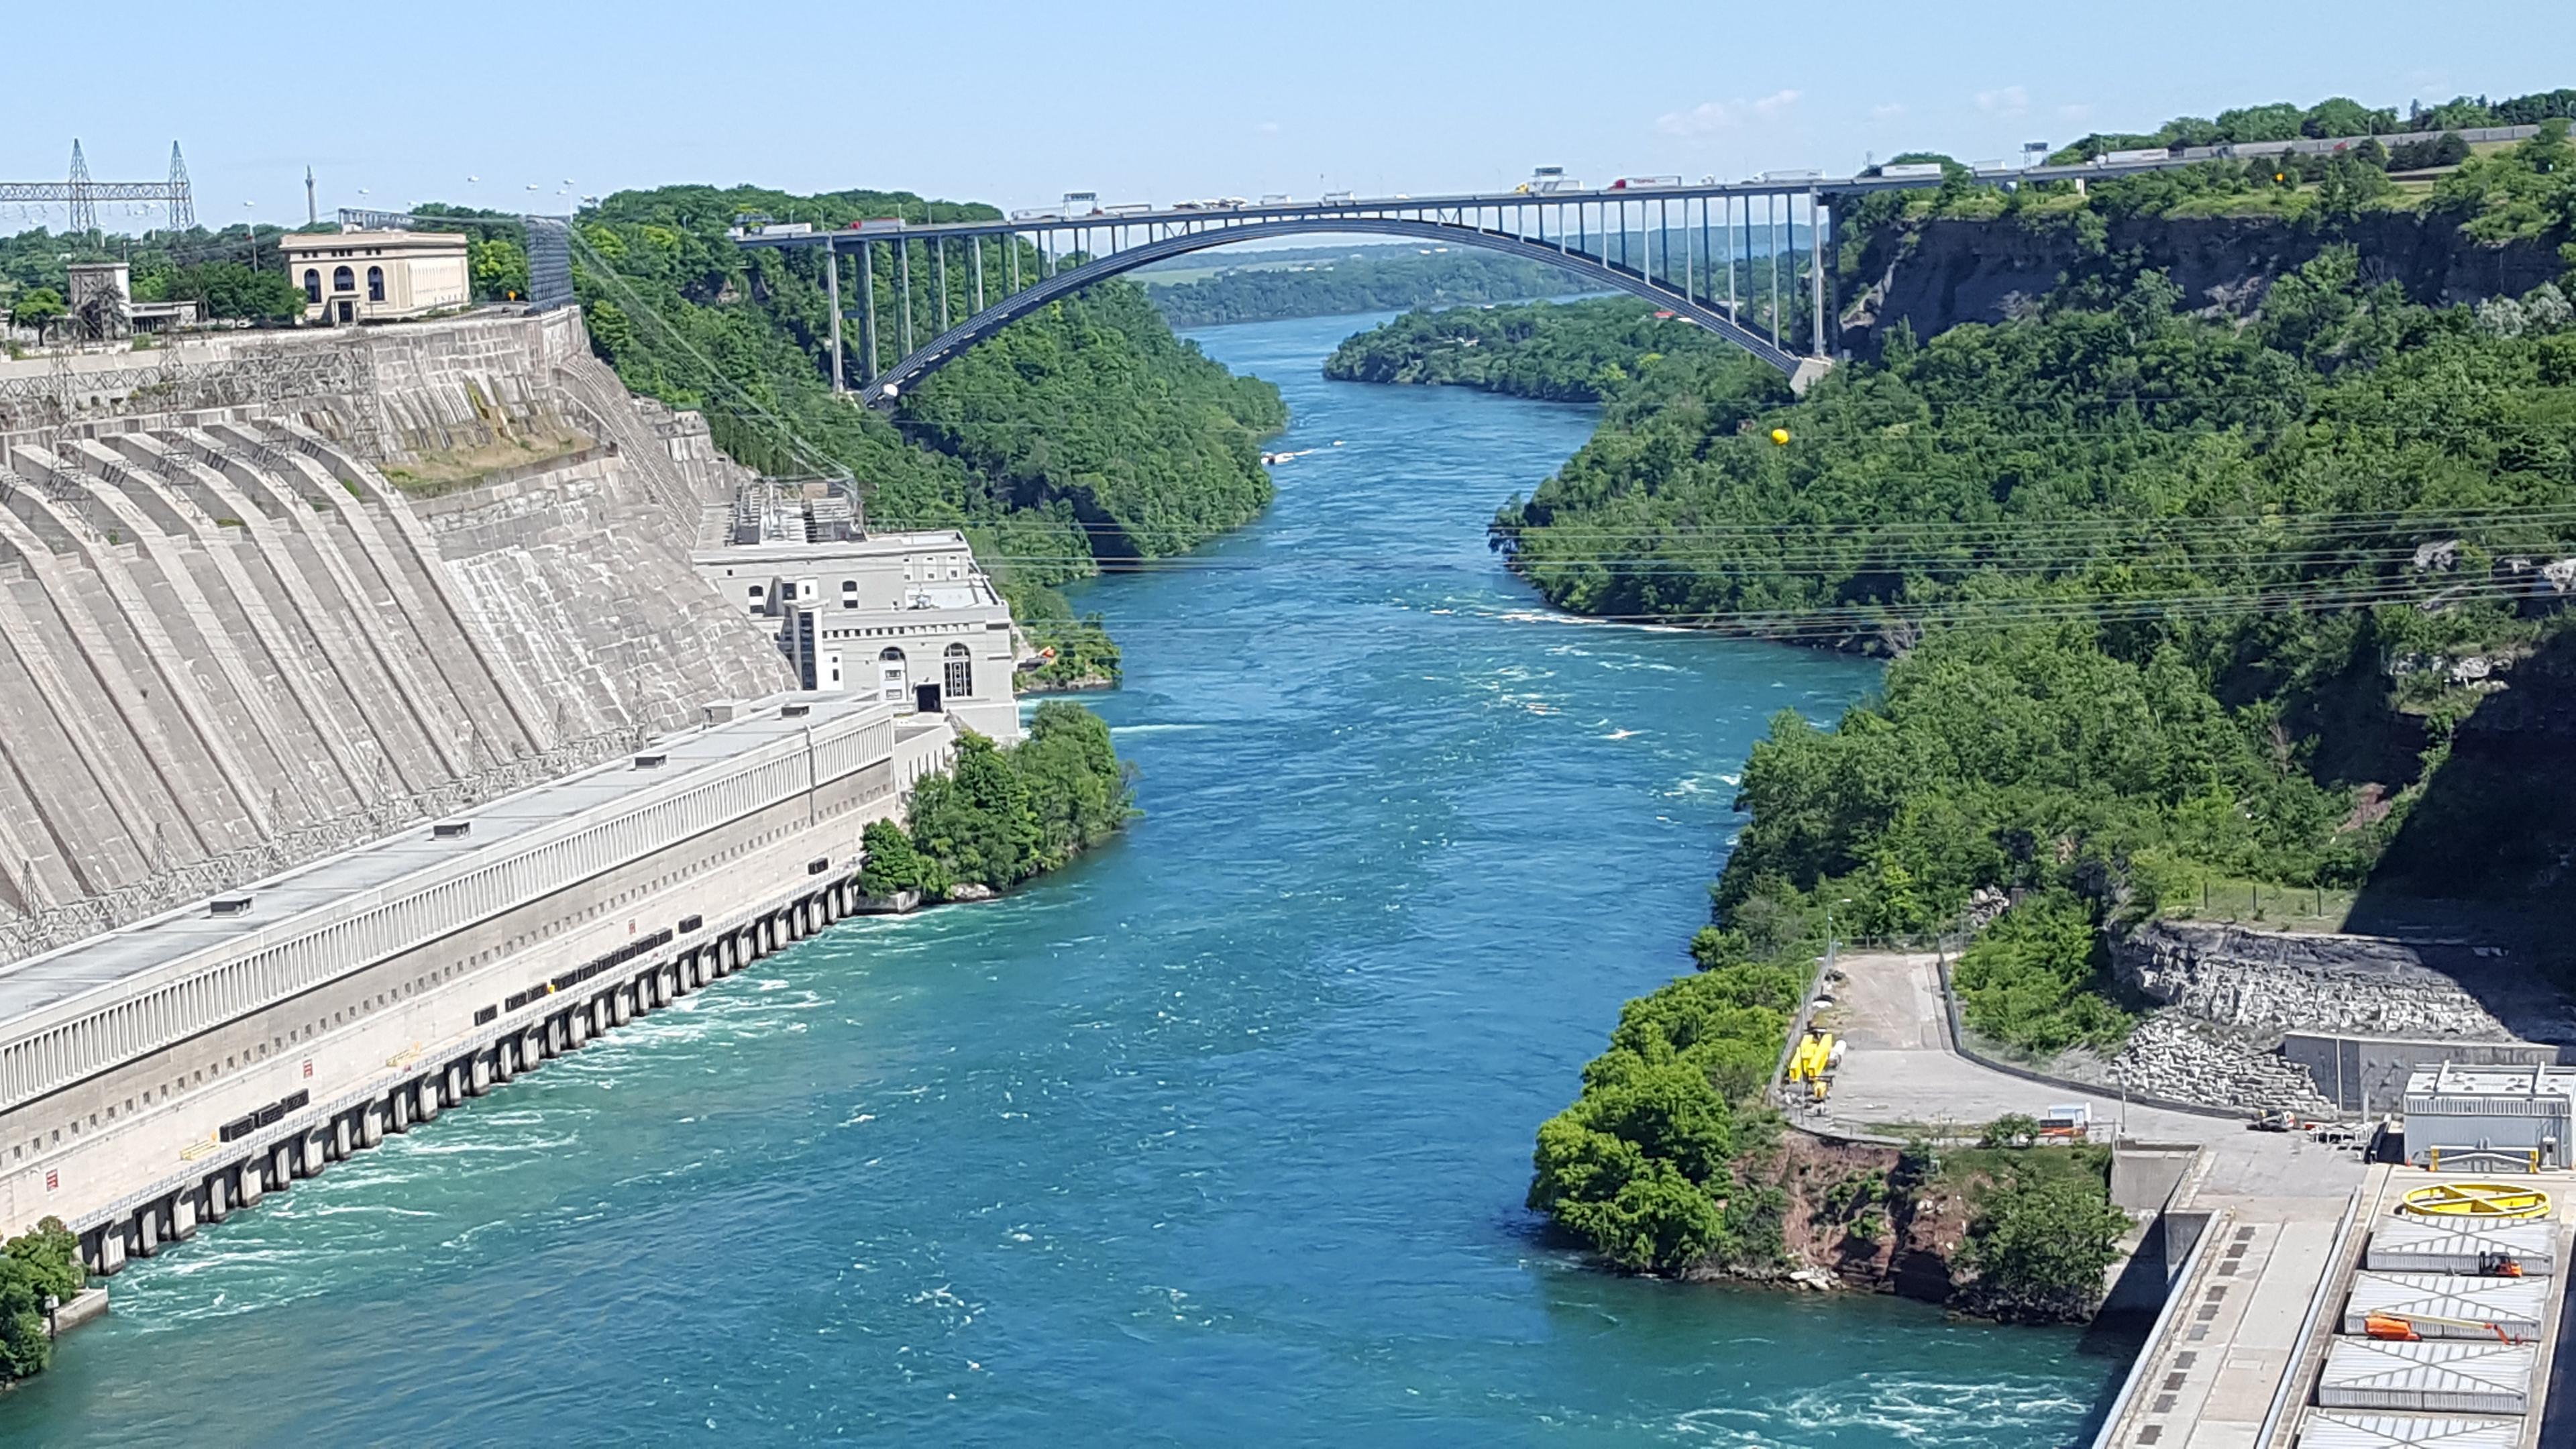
(975, 822)
(33, 1267)
(2279, 121)
(499, 267)
(38, 308)
(1078, 791)
(2344, 116)
(2039, 1251)
(889, 864)
(231, 289)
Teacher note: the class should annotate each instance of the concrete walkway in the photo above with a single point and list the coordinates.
(1898, 1069)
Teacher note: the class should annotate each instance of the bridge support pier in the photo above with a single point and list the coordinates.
(248, 1183)
(832, 292)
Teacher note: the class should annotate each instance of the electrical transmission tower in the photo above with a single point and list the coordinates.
(79, 195)
(183, 206)
(79, 203)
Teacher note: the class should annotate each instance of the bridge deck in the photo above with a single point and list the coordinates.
(1378, 206)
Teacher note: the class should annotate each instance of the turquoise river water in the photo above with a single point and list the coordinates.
(1218, 1137)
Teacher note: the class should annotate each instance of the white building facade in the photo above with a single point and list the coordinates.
(378, 276)
(908, 617)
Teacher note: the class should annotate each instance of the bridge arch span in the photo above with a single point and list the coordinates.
(887, 387)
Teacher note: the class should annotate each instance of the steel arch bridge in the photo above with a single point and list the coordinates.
(1658, 238)
(1610, 274)
(1669, 247)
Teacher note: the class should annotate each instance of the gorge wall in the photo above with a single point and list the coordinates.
(1937, 274)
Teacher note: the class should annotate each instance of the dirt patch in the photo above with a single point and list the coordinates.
(1852, 1214)
(434, 472)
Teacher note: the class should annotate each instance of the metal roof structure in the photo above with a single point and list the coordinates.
(2342, 1429)
(2429, 1377)
(2444, 1305)
(2406, 1244)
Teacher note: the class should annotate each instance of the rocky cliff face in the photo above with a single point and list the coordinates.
(2268, 981)
(1944, 272)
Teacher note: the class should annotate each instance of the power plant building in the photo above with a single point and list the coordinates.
(2520, 1111)
(909, 618)
(378, 276)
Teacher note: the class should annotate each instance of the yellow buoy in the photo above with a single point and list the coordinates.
(2490, 1202)
(1780, 435)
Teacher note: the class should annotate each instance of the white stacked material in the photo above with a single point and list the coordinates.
(2402, 1243)
(2442, 1305)
(2332, 1429)
(2458, 1377)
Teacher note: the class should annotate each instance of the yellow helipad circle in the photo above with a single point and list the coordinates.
(2490, 1202)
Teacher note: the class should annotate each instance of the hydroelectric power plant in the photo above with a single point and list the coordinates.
(375, 735)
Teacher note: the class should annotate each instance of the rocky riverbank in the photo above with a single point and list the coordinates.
(1862, 1217)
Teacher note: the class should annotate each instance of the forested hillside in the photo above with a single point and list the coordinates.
(1084, 433)
(2171, 600)
(1561, 352)
(2447, 220)
(1372, 279)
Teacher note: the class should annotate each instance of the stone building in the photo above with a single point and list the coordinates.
(910, 616)
(100, 296)
(378, 276)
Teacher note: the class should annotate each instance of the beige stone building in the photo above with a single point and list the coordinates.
(377, 276)
(910, 618)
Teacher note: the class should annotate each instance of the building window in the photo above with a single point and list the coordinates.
(890, 676)
(375, 284)
(312, 285)
(343, 280)
(961, 672)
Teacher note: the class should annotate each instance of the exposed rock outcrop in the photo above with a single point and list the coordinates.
(2177, 1057)
(2265, 981)
(1945, 272)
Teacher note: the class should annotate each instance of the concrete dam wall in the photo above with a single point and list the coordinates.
(367, 737)
(230, 642)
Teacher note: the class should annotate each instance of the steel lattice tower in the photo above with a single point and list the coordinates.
(183, 207)
(80, 207)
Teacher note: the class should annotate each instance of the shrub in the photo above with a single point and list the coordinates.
(2035, 978)
(2038, 1250)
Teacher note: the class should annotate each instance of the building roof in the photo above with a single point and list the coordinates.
(427, 241)
(874, 545)
(2451, 1079)
(102, 960)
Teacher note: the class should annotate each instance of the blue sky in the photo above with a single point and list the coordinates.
(1156, 100)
